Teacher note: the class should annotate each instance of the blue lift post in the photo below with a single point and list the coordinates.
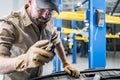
(74, 46)
(97, 39)
(115, 40)
(74, 26)
(58, 24)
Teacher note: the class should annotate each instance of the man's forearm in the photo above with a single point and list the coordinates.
(7, 64)
(61, 53)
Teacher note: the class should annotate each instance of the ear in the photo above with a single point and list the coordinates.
(29, 2)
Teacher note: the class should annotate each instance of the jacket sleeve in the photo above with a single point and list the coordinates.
(7, 37)
(55, 33)
(55, 37)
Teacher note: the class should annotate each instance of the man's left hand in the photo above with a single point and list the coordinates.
(71, 70)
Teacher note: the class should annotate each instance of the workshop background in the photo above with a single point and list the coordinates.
(112, 31)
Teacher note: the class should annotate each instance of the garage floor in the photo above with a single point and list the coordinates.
(82, 62)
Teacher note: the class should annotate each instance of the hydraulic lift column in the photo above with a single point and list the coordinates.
(97, 31)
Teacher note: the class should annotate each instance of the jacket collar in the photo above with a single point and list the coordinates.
(26, 19)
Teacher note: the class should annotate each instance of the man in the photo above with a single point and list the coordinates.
(24, 37)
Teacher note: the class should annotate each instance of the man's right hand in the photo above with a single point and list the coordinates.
(34, 57)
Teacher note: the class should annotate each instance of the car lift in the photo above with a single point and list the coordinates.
(97, 30)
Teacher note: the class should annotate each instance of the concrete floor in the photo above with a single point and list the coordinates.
(82, 62)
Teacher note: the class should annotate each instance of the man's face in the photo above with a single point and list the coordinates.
(40, 16)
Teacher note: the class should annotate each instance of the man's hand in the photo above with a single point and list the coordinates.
(34, 57)
(71, 70)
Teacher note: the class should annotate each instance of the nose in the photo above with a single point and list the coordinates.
(44, 13)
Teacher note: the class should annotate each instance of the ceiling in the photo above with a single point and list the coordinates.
(110, 4)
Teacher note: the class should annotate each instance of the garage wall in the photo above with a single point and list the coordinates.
(7, 6)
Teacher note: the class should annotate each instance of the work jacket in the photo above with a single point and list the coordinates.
(17, 34)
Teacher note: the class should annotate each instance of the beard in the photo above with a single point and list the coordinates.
(40, 21)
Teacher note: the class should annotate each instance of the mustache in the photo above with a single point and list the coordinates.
(42, 18)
